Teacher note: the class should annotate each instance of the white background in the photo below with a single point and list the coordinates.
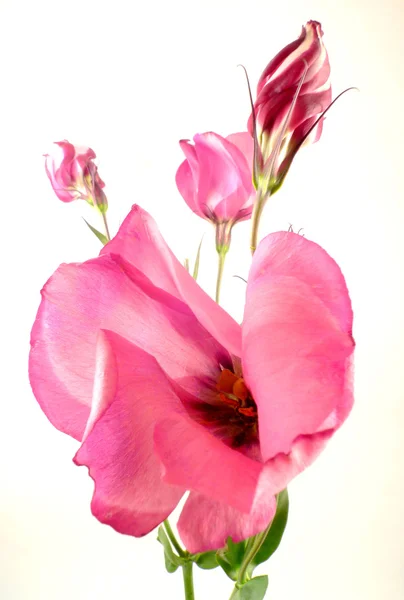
(130, 79)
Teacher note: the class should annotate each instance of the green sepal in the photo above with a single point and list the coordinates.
(103, 238)
(172, 561)
(254, 589)
(206, 560)
(274, 536)
(230, 558)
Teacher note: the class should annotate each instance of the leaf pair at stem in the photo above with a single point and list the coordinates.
(238, 560)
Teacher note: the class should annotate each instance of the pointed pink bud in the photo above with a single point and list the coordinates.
(74, 175)
(215, 179)
(284, 113)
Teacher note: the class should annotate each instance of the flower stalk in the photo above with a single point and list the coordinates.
(104, 218)
(259, 204)
(188, 580)
(173, 539)
(222, 256)
(244, 573)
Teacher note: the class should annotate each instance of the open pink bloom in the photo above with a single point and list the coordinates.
(303, 61)
(167, 393)
(215, 180)
(74, 175)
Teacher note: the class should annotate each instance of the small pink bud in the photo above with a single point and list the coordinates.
(292, 92)
(74, 176)
(215, 180)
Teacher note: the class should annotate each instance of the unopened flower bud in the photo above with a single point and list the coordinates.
(74, 175)
(292, 93)
(215, 180)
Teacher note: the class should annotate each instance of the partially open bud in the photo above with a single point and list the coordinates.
(74, 176)
(215, 180)
(292, 92)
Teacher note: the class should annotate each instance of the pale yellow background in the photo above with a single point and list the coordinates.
(130, 79)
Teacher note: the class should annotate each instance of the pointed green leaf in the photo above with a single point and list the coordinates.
(172, 561)
(254, 589)
(207, 560)
(186, 264)
(274, 536)
(103, 238)
(197, 260)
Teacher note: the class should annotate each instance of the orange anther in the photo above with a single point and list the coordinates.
(226, 381)
(248, 412)
(229, 401)
(240, 389)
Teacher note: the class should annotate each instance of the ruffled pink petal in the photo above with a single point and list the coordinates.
(109, 293)
(205, 524)
(206, 465)
(140, 243)
(297, 340)
(131, 394)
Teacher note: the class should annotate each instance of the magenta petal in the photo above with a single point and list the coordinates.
(140, 243)
(186, 186)
(225, 183)
(245, 144)
(297, 340)
(205, 524)
(108, 293)
(130, 395)
(197, 461)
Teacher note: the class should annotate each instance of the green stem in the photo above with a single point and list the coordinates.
(222, 255)
(259, 204)
(234, 593)
(188, 580)
(243, 576)
(104, 218)
(173, 539)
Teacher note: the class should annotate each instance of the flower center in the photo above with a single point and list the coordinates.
(228, 411)
(234, 392)
(236, 399)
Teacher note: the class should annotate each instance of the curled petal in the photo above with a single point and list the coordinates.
(205, 524)
(205, 464)
(109, 293)
(117, 447)
(297, 340)
(140, 243)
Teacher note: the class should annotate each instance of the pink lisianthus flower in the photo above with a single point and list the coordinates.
(74, 176)
(168, 394)
(284, 113)
(215, 180)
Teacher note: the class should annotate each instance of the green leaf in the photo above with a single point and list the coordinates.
(274, 536)
(103, 238)
(230, 571)
(207, 560)
(172, 561)
(198, 256)
(230, 558)
(170, 566)
(254, 589)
